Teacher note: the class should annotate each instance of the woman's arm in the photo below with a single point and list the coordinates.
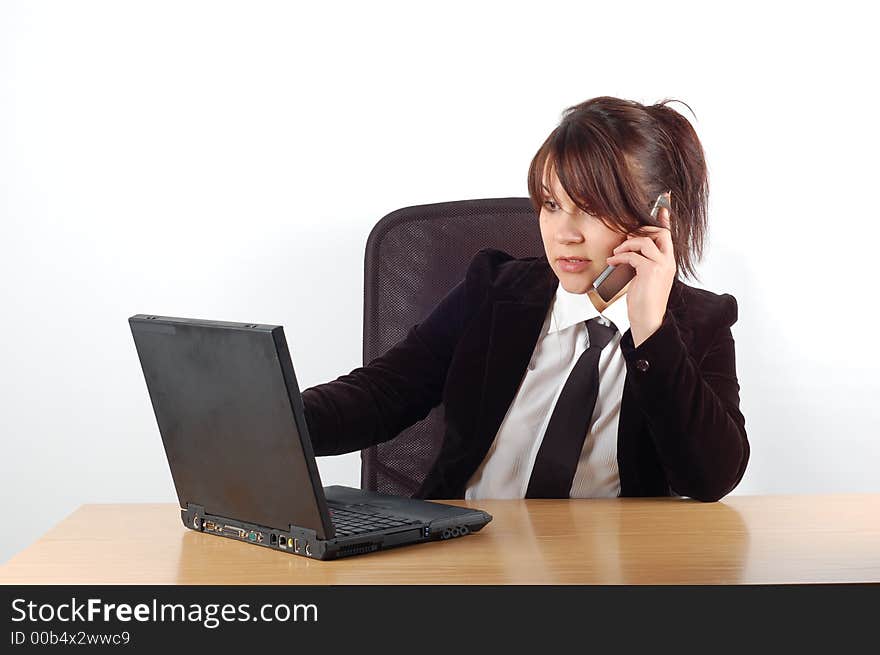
(692, 409)
(374, 403)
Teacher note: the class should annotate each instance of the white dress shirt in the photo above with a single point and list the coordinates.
(507, 466)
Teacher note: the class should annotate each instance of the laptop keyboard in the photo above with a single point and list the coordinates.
(347, 522)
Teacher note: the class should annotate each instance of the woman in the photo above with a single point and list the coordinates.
(548, 391)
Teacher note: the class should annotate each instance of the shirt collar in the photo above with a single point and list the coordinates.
(569, 309)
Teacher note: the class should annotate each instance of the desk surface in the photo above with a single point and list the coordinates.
(739, 540)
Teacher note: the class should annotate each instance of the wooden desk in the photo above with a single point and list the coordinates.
(741, 540)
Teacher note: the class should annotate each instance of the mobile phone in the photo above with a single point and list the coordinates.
(614, 278)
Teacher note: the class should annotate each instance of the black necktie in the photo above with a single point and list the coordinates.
(560, 450)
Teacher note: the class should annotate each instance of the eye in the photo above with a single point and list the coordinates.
(550, 202)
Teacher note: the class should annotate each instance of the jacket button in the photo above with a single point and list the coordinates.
(642, 364)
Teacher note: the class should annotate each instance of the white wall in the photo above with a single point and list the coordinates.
(227, 160)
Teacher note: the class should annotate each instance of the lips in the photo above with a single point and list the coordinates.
(572, 265)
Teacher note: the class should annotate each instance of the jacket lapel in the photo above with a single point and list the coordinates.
(514, 330)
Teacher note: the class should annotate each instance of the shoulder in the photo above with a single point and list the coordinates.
(498, 274)
(702, 308)
(497, 267)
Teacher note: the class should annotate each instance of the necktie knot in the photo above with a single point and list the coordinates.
(600, 331)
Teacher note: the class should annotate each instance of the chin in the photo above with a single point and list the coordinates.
(580, 283)
(576, 282)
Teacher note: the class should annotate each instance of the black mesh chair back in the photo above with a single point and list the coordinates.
(414, 256)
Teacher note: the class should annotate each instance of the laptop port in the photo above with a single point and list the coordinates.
(233, 530)
(308, 549)
(273, 539)
(296, 545)
(282, 541)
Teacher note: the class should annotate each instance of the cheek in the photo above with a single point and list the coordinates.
(544, 227)
(607, 240)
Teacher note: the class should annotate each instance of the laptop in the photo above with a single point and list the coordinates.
(231, 418)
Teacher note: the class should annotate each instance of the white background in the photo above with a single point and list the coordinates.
(228, 160)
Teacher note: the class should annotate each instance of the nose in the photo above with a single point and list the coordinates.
(567, 231)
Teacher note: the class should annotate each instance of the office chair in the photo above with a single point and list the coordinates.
(414, 256)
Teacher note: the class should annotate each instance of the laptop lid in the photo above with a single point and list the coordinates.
(230, 414)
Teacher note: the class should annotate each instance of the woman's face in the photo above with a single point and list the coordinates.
(569, 232)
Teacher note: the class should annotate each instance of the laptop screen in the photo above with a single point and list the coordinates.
(228, 409)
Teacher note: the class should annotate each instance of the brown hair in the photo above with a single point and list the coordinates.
(614, 157)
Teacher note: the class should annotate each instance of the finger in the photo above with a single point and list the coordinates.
(651, 230)
(633, 259)
(645, 245)
(662, 236)
(665, 239)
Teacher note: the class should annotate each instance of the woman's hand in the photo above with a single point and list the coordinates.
(648, 292)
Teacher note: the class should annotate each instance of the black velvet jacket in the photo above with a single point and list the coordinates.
(680, 431)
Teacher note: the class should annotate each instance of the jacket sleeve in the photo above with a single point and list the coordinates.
(692, 407)
(374, 403)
